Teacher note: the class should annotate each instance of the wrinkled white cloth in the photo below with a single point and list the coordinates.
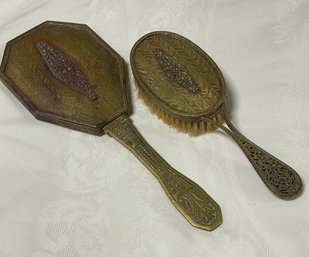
(68, 194)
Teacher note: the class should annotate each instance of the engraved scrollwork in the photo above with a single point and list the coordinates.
(175, 71)
(65, 69)
(277, 175)
(193, 201)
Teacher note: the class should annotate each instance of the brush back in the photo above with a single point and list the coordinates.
(177, 76)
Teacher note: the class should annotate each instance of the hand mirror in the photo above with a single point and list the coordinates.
(65, 74)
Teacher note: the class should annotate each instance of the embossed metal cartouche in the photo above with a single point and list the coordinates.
(185, 88)
(67, 75)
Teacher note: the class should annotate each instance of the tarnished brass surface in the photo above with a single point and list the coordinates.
(74, 84)
(65, 74)
(188, 197)
(186, 89)
(65, 69)
(175, 71)
(177, 75)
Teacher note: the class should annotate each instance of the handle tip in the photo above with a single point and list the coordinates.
(199, 209)
(291, 189)
(210, 225)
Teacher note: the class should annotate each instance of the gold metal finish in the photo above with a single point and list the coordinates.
(185, 88)
(280, 178)
(65, 69)
(79, 83)
(175, 71)
(188, 197)
(67, 75)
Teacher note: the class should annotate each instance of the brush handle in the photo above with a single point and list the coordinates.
(189, 198)
(280, 178)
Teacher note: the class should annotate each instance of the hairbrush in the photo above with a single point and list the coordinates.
(184, 87)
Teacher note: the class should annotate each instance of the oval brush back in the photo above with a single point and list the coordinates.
(178, 81)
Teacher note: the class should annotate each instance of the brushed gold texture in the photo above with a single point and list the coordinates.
(185, 88)
(188, 197)
(65, 74)
(33, 80)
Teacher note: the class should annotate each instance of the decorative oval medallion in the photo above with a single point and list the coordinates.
(65, 69)
(175, 71)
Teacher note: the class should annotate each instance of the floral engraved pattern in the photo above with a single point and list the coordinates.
(65, 69)
(175, 71)
(194, 202)
(174, 65)
(277, 176)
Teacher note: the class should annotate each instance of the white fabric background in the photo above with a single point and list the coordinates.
(68, 194)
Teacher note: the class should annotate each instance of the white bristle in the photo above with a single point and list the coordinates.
(193, 128)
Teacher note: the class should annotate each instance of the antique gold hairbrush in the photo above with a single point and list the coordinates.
(184, 87)
(66, 74)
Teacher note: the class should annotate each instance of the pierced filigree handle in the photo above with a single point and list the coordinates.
(189, 198)
(280, 178)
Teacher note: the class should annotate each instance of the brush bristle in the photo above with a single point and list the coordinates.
(193, 128)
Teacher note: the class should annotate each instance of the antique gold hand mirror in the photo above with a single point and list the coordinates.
(66, 74)
(185, 88)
